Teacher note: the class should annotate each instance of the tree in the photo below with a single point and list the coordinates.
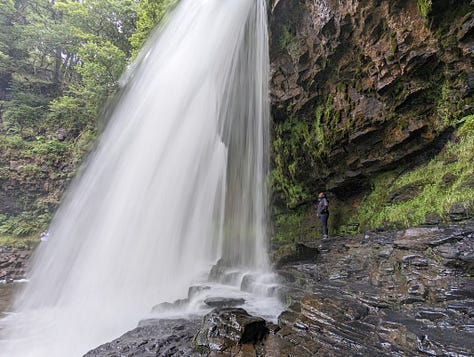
(150, 14)
(60, 60)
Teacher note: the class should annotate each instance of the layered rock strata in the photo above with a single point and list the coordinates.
(361, 86)
(13, 263)
(399, 293)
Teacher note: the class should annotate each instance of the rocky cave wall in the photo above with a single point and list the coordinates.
(359, 87)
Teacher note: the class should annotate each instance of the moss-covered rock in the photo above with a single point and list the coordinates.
(362, 93)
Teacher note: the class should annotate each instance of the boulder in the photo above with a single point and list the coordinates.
(171, 338)
(295, 252)
(458, 211)
(224, 328)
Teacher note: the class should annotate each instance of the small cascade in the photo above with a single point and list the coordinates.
(224, 287)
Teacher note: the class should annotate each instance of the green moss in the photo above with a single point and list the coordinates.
(49, 147)
(15, 142)
(296, 225)
(290, 43)
(26, 224)
(424, 7)
(29, 242)
(300, 146)
(466, 131)
(448, 103)
(393, 43)
(434, 195)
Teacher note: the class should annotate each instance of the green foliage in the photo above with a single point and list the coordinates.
(290, 43)
(60, 61)
(295, 225)
(14, 142)
(150, 14)
(84, 143)
(466, 131)
(50, 147)
(437, 193)
(29, 241)
(112, 20)
(292, 138)
(299, 146)
(72, 111)
(23, 110)
(24, 225)
(424, 7)
(448, 104)
(102, 65)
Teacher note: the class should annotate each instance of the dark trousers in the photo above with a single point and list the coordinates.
(323, 218)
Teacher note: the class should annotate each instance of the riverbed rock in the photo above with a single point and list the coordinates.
(224, 328)
(171, 338)
(458, 211)
(398, 293)
(391, 293)
(295, 252)
(223, 301)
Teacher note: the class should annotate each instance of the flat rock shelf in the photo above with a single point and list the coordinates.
(396, 293)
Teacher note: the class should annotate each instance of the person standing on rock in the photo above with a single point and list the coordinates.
(323, 213)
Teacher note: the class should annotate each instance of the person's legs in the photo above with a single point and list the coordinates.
(324, 222)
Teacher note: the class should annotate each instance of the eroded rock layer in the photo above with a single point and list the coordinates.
(363, 86)
(399, 293)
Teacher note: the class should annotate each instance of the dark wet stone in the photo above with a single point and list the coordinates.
(296, 252)
(13, 263)
(397, 293)
(458, 211)
(431, 315)
(171, 338)
(226, 327)
(340, 309)
(231, 278)
(223, 302)
(416, 238)
(404, 193)
(247, 282)
(432, 219)
(449, 252)
(218, 270)
(415, 259)
(448, 179)
(459, 294)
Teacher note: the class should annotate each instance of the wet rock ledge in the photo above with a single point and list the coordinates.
(13, 263)
(402, 293)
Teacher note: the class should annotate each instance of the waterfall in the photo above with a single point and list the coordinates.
(177, 181)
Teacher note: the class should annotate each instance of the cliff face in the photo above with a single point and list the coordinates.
(359, 87)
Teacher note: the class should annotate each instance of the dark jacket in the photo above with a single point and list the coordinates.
(323, 206)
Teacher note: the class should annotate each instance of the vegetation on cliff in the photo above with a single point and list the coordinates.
(60, 63)
(372, 102)
(439, 190)
(360, 98)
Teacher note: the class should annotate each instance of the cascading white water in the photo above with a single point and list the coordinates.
(177, 181)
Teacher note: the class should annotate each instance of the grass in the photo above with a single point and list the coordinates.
(424, 7)
(446, 179)
(29, 242)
